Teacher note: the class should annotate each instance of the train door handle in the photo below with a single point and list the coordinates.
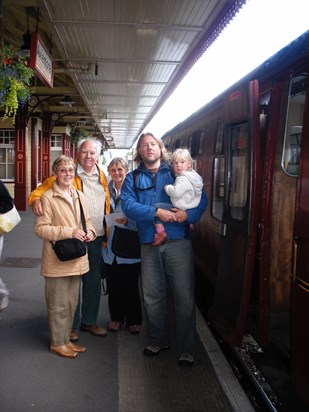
(294, 259)
(222, 229)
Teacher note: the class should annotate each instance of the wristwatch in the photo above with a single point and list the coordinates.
(156, 212)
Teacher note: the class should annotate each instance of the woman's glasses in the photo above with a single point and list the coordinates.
(64, 170)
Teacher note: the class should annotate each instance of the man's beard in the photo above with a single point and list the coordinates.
(152, 161)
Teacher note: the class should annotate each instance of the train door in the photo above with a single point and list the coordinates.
(297, 152)
(238, 229)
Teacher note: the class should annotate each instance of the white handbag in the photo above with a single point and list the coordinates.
(9, 220)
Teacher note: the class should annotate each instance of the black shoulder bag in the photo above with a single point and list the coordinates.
(125, 243)
(68, 249)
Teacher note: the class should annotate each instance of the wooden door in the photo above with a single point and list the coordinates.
(238, 235)
(300, 269)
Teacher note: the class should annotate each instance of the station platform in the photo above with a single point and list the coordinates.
(113, 375)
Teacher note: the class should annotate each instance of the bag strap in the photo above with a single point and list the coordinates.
(82, 215)
(135, 176)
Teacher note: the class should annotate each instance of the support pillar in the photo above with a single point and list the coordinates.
(34, 154)
(45, 151)
(21, 165)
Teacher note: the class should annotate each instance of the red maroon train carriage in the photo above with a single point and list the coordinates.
(251, 145)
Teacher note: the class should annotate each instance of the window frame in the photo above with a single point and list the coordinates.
(7, 143)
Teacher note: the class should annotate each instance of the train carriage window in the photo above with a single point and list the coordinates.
(177, 144)
(201, 143)
(197, 143)
(238, 189)
(167, 144)
(218, 175)
(189, 143)
(219, 141)
(293, 127)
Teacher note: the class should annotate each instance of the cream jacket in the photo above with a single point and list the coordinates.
(57, 223)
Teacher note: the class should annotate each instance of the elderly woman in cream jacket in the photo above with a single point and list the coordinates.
(62, 220)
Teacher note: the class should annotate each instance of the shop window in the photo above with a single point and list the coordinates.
(56, 141)
(7, 154)
(55, 148)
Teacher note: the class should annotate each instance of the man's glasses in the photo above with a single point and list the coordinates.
(63, 170)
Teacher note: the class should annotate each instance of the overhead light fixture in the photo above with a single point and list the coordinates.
(25, 48)
(82, 121)
(108, 138)
(67, 101)
(27, 41)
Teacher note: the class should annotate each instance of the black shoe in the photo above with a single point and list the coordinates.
(153, 350)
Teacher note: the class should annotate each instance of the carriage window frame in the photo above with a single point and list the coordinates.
(177, 144)
(293, 126)
(197, 140)
(238, 171)
(219, 146)
(219, 171)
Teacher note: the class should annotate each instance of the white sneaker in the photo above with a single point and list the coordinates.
(186, 359)
(153, 350)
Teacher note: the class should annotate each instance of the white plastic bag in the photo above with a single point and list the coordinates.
(9, 220)
(4, 295)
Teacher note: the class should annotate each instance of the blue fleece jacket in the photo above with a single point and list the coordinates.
(140, 194)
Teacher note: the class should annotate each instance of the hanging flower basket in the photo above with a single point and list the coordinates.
(15, 78)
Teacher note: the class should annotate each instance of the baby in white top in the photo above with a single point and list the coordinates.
(186, 191)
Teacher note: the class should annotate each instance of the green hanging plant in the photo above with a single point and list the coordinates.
(77, 134)
(15, 78)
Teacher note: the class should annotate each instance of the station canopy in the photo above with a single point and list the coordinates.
(115, 61)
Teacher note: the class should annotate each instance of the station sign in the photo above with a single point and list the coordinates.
(41, 60)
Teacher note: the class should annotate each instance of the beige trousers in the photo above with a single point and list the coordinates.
(61, 296)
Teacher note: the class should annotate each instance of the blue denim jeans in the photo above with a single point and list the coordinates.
(89, 300)
(172, 261)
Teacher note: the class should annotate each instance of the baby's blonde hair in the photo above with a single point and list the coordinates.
(184, 153)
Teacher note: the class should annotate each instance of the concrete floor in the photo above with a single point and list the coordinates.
(112, 375)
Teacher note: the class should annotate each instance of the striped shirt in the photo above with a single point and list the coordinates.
(95, 195)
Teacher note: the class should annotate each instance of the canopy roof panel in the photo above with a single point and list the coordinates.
(118, 60)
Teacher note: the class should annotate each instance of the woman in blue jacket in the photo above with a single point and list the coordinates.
(122, 273)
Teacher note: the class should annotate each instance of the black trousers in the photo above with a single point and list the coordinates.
(123, 293)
